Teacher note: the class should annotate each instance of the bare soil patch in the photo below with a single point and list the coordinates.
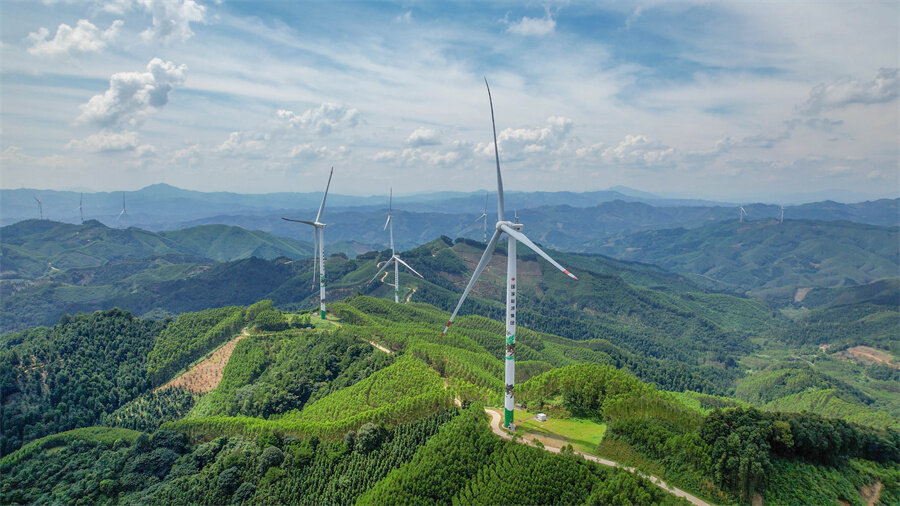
(801, 294)
(206, 375)
(871, 493)
(868, 356)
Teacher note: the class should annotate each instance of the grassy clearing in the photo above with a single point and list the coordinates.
(583, 434)
(330, 322)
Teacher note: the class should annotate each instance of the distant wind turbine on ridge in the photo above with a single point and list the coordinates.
(81, 208)
(782, 213)
(123, 213)
(319, 246)
(394, 258)
(743, 213)
(484, 217)
(514, 233)
(40, 206)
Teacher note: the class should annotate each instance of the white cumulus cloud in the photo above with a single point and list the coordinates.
(171, 19)
(537, 27)
(885, 87)
(105, 141)
(133, 95)
(515, 141)
(324, 119)
(639, 150)
(83, 38)
(423, 137)
(309, 151)
(239, 142)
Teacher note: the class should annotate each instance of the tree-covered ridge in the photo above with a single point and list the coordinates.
(768, 258)
(166, 469)
(735, 449)
(57, 378)
(30, 247)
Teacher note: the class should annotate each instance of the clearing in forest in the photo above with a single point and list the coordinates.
(584, 435)
(207, 374)
(869, 356)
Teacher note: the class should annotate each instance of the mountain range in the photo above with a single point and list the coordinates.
(164, 207)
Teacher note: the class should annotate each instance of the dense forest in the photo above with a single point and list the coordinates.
(310, 413)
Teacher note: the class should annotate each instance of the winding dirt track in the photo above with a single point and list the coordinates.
(495, 427)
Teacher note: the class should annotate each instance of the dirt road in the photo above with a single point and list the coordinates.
(500, 431)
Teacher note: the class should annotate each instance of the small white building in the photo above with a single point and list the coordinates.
(541, 417)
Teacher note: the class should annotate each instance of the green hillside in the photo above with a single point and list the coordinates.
(36, 248)
(885, 292)
(309, 415)
(767, 258)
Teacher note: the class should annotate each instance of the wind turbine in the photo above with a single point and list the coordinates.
(484, 216)
(123, 213)
(743, 213)
(394, 258)
(782, 213)
(319, 247)
(40, 206)
(81, 208)
(514, 233)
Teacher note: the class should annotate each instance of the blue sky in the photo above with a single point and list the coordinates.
(730, 100)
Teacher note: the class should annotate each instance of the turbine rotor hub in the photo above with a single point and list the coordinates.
(518, 227)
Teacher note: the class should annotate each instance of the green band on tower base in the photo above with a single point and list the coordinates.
(507, 418)
(322, 315)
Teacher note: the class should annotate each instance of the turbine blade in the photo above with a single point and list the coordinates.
(483, 215)
(519, 236)
(383, 267)
(500, 216)
(386, 222)
(485, 259)
(408, 267)
(300, 221)
(391, 201)
(322, 206)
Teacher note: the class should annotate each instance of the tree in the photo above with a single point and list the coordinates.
(271, 457)
(369, 437)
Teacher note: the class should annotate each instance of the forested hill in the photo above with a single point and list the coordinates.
(35, 248)
(307, 415)
(642, 312)
(768, 258)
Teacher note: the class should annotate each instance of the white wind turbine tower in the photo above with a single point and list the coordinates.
(484, 217)
(514, 233)
(123, 213)
(394, 258)
(782, 213)
(319, 247)
(81, 208)
(743, 213)
(40, 206)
